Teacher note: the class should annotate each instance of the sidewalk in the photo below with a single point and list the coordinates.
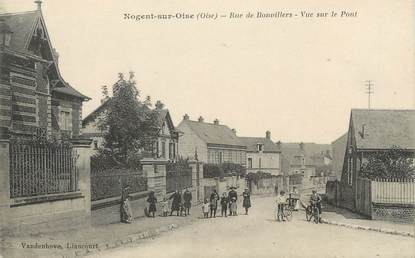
(342, 217)
(93, 239)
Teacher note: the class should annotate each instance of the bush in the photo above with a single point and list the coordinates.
(222, 170)
(255, 177)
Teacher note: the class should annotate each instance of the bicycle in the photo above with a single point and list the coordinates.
(312, 211)
(287, 212)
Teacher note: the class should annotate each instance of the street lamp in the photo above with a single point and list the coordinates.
(5, 33)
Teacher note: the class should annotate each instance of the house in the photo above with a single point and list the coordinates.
(212, 142)
(166, 145)
(262, 154)
(373, 131)
(34, 97)
(338, 148)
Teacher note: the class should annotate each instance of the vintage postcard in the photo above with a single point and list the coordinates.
(140, 128)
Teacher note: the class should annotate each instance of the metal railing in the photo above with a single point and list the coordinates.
(42, 170)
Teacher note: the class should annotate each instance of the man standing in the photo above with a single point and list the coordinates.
(214, 197)
(187, 198)
(315, 199)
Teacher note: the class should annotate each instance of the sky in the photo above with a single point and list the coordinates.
(297, 77)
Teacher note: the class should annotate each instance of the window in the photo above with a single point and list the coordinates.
(220, 157)
(95, 144)
(249, 162)
(65, 120)
(260, 147)
(171, 150)
(163, 149)
(259, 163)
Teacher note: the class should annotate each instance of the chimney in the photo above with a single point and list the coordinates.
(362, 133)
(159, 105)
(39, 4)
(216, 122)
(186, 117)
(301, 145)
(279, 144)
(268, 135)
(234, 131)
(201, 120)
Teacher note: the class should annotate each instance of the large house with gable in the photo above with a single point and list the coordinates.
(212, 143)
(34, 97)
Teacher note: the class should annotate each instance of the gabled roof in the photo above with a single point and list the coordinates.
(382, 129)
(214, 134)
(22, 25)
(251, 144)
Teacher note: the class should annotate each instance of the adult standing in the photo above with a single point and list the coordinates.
(123, 210)
(233, 197)
(175, 205)
(187, 198)
(214, 197)
(247, 200)
(224, 201)
(152, 200)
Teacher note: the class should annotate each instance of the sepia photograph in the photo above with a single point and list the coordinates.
(235, 129)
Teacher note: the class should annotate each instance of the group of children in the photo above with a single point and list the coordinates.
(210, 205)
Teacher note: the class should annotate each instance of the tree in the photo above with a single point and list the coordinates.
(129, 125)
(394, 163)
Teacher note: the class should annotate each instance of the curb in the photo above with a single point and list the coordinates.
(381, 230)
(128, 239)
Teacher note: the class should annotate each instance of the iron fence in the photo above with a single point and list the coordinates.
(42, 170)
(393, 191)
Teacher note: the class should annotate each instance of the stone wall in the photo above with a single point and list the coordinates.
(393, 212)
(57, 212)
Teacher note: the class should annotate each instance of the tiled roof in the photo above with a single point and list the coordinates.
(251, 144)
(22, 25)
(384, 128)
(214, 134)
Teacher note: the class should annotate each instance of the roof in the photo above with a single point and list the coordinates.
(383, 128)
(22, 25)
(252, 142)
(214, 134)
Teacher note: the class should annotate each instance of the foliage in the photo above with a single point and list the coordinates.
(129, 125)
(40, 139)
(255, 177)
(325, 169)
(394, 163)
(222, 170)
(103, 160)
(109, 183)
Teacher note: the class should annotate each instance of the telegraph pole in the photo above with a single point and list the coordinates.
(369, 90)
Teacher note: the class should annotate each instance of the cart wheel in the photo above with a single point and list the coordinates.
(289, 215)
(317, 216)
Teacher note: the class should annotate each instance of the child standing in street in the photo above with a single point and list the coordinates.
(206, 208)
(281, 201)
(165, 207)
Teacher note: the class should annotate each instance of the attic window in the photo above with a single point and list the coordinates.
(260, 147)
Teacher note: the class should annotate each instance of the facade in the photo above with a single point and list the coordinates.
(262, 155)
(211, 142)
(373, 131)
(165, 147)
(33, 95)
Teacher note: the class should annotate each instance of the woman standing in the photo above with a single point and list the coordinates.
(175, 205)
(152, 200)
(124, 206)
(247, 200)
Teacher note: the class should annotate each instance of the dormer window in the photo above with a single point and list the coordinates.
(260, 147)
(5, 33)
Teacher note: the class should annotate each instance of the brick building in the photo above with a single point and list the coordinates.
(33, 94)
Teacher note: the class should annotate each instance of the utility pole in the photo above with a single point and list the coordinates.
(369, 90)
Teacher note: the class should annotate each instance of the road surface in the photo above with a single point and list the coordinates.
(259, 235)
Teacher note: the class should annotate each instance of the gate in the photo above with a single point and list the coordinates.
(178, 177)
